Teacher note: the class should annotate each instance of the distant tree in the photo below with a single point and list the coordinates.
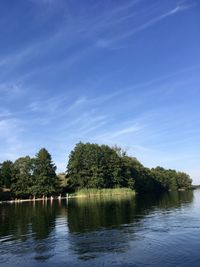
(23, 179)
(120, 151)
(170, 179)
(94, 166)
(45, 179)
(6, 173)
(111, 167)
(183, 180)
(137, 177)
(83, 166)
(99, 166)
(130, 171)
(89, 166)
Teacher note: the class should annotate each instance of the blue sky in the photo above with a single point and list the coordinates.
(113, 72)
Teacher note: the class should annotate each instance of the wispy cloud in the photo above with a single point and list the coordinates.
(118, 131)
(83, 72)
(48, 105)
(90, 29)
(102, 43)
(124, 131)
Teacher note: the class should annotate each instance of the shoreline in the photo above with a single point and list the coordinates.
(78, 194)
(32, 200)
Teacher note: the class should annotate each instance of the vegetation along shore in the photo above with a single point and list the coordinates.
(92, 169)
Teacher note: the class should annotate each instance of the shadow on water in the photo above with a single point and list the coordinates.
(93, 226)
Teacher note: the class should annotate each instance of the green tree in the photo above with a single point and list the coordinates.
(130, 171)
(110, 167)
(99, 166)
(23, 178)
(183, 180)
(83, 166)
(170, 179)
(45, 179)
(94, 166)
(6, 171)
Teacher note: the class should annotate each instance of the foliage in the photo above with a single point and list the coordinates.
(90, 166)
(29, 176)
(44, 174)
(6, 172)
(99, 166)
(23, 179)
(62, 183)
(94, 166)
(171, 179)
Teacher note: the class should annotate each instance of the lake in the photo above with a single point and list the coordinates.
(113, 231)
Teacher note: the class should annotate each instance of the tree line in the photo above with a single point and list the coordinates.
(101, 166)
(30, 176)
(89, 166)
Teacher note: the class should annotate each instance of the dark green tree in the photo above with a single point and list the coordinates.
(171, 179)
(94, 166)
(89, 166)
(183, 180)
(6, 173)
(130, 171)
(45, 179)
(23, 178)
(99, 166)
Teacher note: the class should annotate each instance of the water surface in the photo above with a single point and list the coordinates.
(113, 231)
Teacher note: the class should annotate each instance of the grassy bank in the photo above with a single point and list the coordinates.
(93, 192)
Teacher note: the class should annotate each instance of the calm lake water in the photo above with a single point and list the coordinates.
(141, 231)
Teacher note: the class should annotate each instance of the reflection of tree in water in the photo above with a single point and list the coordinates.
(20, 219)
(90, 219)
(43, 220)
(96, 225)
(174, 199)
(29, 224)
(86, 215)
(108, 225)
(14, 219)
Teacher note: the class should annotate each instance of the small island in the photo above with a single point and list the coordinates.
(92, 170)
